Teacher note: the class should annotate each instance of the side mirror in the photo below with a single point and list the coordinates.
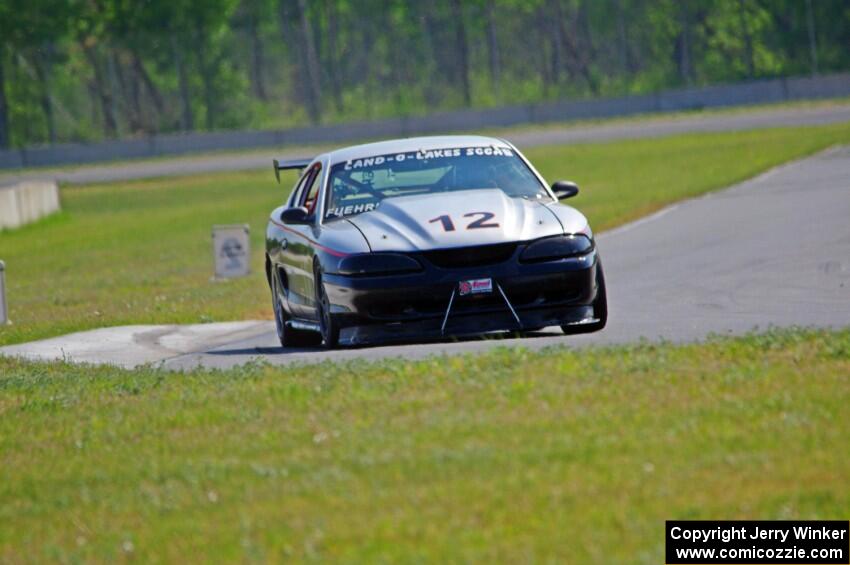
(564, 189)
(295, 216)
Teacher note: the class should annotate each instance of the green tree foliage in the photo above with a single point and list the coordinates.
(78, 70)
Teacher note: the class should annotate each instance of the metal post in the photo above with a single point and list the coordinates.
(4, 313)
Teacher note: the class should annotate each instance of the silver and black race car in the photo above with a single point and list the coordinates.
(428, 237)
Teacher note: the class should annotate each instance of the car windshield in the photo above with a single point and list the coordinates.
(359, 185)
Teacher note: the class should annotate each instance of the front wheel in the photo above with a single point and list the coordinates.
(327, 321)
(600, 308)
(287, 335)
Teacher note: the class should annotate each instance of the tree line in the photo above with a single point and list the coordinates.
(80, 70)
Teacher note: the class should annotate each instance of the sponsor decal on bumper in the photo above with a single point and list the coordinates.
(475, 286)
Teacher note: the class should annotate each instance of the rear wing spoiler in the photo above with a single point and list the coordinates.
(287, 165)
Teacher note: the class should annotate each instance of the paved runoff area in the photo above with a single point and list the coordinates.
(773, 251)
(563, 134)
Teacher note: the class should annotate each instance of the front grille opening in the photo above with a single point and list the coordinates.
(460, 257)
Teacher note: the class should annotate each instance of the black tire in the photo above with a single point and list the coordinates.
(288, 336)
(327, 321)
(600, 307)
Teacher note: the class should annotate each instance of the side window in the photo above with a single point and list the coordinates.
(295, 197)
(309, 195)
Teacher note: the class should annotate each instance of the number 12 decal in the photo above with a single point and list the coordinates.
(482, 222)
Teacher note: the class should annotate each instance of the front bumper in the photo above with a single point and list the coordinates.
(413, 306)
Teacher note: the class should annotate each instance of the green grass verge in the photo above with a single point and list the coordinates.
(139, 252)
(511, 456)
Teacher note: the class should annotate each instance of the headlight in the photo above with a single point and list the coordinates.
(557, 247)
(378, 264)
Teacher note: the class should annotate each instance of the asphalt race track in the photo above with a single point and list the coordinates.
(772, 251)
(638, 127)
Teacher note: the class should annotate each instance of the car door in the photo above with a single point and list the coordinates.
(298, 256)
(282, 237)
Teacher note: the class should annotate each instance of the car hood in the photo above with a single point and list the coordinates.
(413, 223)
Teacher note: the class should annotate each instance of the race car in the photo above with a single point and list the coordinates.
(428, 237)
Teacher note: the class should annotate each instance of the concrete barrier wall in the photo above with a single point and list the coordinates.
(753, 92)
(26, 202)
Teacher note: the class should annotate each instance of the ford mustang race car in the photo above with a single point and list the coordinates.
(428, 237)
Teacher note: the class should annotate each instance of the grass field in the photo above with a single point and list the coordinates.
(511, 456)
(139, 252)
